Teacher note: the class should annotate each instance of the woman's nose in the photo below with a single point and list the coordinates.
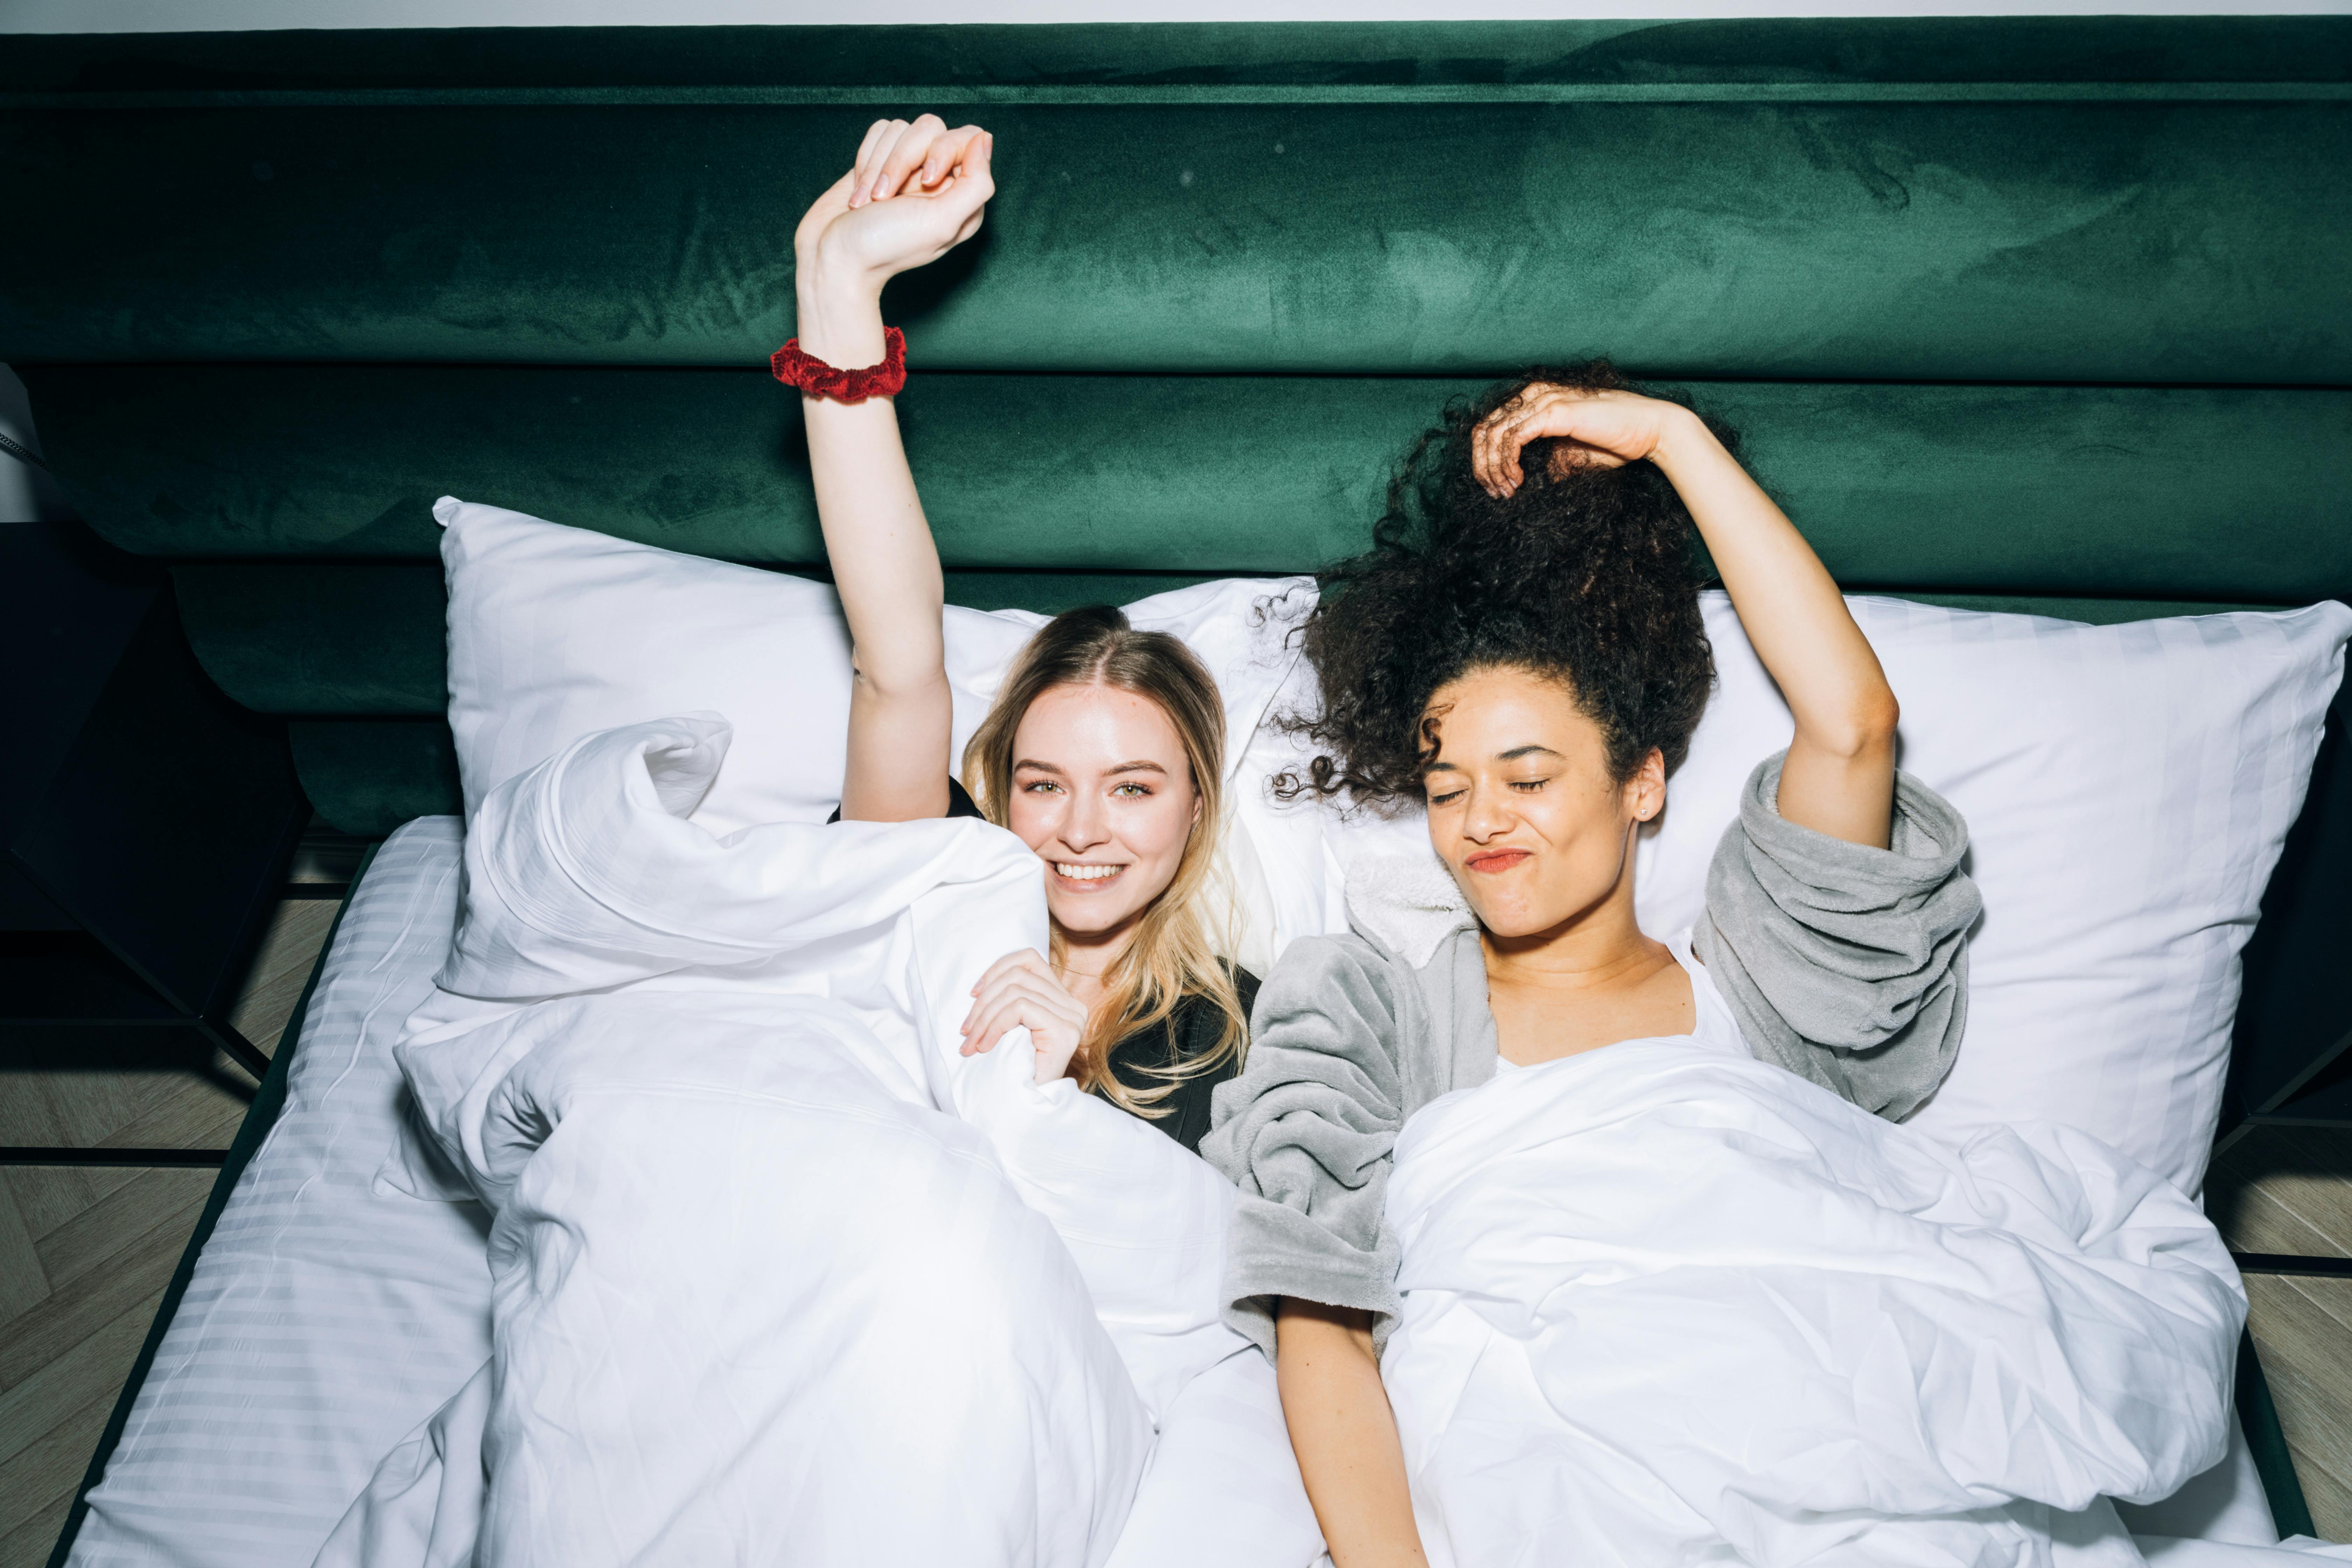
(1487, 815)
(1086, 824)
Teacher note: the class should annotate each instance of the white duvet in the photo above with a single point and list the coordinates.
(1663, 1304)
(778, 1275)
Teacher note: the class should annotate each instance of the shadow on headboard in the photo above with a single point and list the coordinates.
(2027, 313)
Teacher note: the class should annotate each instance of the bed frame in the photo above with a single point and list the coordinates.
(2044, 314)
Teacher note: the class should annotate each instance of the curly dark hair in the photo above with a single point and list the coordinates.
(1583, 574)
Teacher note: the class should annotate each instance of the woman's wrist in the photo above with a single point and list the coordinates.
(840, 314)
(1683, 437)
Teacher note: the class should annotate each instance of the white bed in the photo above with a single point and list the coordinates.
(330, 1313)
(327, 1316)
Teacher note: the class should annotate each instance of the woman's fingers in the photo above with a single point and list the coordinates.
(945, 153)
(1018, 1007)
(1056, 1003)
(1021, 975)
(1495, 460)
(1503, 425)
(1495, 445)
(996, 1023)
(1051, 1005)
(879, 138)
(966, 189)
(1503, 451)
(1027, 958)
(906, 156)
(1021, 990)
(869, 174)
(1603, 429)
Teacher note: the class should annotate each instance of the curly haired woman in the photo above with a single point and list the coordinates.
(1523, 652)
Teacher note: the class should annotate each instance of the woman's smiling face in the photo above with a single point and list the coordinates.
(1103, 793)
(1521, 805)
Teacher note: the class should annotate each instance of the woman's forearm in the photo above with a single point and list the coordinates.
(885, 565)
(1840, 775)
(1345, 1435)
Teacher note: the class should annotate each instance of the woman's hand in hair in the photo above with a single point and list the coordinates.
(1839, 778)
(917, 191)
(1020, 991)
(1599, 429)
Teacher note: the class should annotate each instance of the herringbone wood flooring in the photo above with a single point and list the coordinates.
(2290, 1190)
(85, 1254)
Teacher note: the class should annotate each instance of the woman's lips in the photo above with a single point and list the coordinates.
(1102, 878)
(1494, 860)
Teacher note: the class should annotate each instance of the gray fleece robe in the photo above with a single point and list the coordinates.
(1844, 964)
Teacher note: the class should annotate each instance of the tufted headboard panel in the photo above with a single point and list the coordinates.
(2028, 312)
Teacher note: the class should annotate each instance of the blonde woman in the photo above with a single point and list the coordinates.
(1104, 748)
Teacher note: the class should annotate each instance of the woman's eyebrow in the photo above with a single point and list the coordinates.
(1034, 766)
(1140, 766)
(1529, 750)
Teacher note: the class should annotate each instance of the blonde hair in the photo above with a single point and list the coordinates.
(1176, 948)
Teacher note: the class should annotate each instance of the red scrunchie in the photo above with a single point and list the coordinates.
(818, 379)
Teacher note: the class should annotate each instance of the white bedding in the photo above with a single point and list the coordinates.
(328, 1317)
(778, 1274)
(1681, 1306)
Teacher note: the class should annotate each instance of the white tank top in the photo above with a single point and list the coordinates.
(1713, 1029)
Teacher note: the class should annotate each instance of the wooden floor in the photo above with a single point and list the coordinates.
(85, 1254)
(2290, 1190)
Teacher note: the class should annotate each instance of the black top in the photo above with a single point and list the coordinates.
(958, 803)
(1192, 1030)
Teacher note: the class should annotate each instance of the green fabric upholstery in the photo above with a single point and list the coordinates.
(1732, 234)
(2214, 493)
(1979, 54)
(2019, 312)
(367, 778)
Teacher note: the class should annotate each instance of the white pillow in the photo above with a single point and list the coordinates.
(556, 632)
(2127, 790)
(2127, 787)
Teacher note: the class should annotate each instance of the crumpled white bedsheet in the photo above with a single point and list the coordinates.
(1663, 1305)
(779, 1275)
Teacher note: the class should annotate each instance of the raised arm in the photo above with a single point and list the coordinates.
(917, 191)
(1839, 775)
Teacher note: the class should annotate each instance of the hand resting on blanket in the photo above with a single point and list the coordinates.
(1020, 991)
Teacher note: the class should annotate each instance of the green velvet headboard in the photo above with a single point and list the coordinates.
(2023, 313)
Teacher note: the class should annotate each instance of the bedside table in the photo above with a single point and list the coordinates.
(145, 820)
